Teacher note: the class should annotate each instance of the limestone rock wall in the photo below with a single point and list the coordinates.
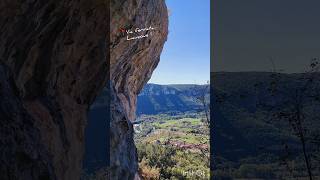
(132, 63)
(53, 64)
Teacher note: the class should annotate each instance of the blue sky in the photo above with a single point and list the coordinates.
(185, 58)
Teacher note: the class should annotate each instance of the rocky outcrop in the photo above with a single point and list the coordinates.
(53, 63)
(53, 56)
(132, 63)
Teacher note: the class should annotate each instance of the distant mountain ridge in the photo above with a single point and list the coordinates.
(240, 111)
(154, 98)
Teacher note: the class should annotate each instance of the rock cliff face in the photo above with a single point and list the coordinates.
(132, 63)
(53, 63)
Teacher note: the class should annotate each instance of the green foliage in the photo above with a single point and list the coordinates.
(255, 171)
(169, 145)
(147, 172)
(171, 162)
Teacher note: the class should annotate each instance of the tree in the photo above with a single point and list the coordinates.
(292, 107)
(201, 95)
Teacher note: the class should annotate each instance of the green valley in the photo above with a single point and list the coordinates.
(173, 146)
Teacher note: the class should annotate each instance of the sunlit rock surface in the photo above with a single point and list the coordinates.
(132, 63)
(53, 63)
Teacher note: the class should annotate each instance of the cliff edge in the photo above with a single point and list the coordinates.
(53, 64)
(132, 63)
